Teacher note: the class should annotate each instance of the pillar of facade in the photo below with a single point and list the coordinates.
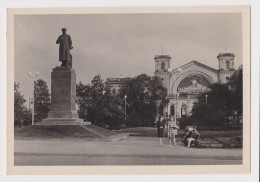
(169, 109)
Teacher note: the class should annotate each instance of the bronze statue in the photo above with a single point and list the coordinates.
(65, 46)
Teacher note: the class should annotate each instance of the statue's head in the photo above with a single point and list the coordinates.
(63, 30)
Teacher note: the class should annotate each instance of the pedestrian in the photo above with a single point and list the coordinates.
(192, 135)
(172, 131)
(160, 128)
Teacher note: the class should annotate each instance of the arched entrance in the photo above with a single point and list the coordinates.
(192, 84)
(189, 86)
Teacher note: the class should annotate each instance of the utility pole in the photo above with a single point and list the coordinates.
(36, 76)
(175, 113)
(125, 109)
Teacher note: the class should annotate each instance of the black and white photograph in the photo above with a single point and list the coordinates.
(130, 88)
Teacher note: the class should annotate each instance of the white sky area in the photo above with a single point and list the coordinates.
(122, 44)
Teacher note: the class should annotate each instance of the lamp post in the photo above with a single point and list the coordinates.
(187, 105)
(125, 107)
(168, 112)
(206, 99)
(175, 114)
(36, 76)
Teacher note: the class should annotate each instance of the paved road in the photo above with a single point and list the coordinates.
(133, 151)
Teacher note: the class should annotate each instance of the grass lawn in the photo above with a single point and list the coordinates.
(215, 134)
(151, 131)
(142, 131)
(230, 139)
(60, 132)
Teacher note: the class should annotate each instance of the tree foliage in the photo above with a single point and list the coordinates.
(83, 99)
(41, 100)
(97, 105)
(235, 83)
(224, 101)
(21, 113)
(145, 97)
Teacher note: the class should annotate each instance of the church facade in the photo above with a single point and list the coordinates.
(187, 82)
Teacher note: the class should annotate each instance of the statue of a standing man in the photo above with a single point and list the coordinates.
(65, 46)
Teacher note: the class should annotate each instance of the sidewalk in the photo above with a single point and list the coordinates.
(132, 149)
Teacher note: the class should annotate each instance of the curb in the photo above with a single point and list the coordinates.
(118, 137)
(211, 145)
(112, 138)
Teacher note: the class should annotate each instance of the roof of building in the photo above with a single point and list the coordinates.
(118, 80)
(225, 54)
(162, 56)
(196, 63)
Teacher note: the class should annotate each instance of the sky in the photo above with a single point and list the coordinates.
(115, 45)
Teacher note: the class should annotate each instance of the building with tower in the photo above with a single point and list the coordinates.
(187, 82)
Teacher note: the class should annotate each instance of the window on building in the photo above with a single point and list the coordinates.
(162, 66)
(227, 65)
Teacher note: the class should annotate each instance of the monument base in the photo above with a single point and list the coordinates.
(62, 121)
(63, 114)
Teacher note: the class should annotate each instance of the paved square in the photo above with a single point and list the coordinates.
(133, 151)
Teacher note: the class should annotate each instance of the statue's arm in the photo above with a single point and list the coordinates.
(70, 43)
(58, 41)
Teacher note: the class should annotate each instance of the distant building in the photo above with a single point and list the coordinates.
(115, 83)
(187, 82)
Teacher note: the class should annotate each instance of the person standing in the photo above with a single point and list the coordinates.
(172, 131)
(160, 128)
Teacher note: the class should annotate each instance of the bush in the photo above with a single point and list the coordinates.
(211, 121)
(27, 118)
(183, 122)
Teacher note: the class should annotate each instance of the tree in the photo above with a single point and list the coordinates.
(235, 83)
(41, 100)
(214, 113)
(96, 111)
(20, 111)
(224, 103)
(83, 99)
(97, 104)
(145, 96)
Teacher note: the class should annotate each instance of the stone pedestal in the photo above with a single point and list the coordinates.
(63, 98)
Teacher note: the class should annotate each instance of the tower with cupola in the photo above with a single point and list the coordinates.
(162, 65)
(226, 66)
